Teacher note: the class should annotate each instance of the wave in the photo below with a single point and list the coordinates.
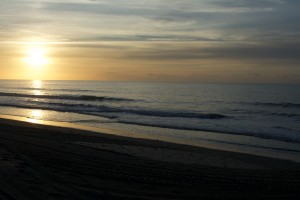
(65, 97)
(105, 110)
(294, 115)
(284, 105)
(130, 116)
(281, 137)
(266, 113)
(269, 104)
(155, 113)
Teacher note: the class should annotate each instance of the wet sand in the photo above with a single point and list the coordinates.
(46, 162)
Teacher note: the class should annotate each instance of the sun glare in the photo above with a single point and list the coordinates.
(36, 114)
(37, 85)
(35, 56)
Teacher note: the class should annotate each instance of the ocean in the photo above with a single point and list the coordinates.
(231, 116)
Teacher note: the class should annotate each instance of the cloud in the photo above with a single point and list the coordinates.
(229, 52)
(162, 31)
(184, 51)
(248, 4)
(167, 20)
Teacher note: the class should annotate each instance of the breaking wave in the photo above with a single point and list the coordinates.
(103, 110)
(65, 97)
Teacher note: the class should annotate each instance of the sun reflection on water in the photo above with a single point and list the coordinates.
(34, 121)
(37, 84)
(35, 116)
(37, 92)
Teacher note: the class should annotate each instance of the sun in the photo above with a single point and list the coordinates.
(36, 57)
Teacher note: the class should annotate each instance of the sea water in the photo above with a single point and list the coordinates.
(181, 111)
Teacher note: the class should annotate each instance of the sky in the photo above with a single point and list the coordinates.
(245, 41)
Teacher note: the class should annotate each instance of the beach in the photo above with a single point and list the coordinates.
(47, 162)
(149, 100)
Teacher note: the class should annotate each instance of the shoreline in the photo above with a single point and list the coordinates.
(85, 131)
(41, 161)
(208, 142)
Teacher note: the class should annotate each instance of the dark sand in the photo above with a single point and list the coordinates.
(44, 162)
